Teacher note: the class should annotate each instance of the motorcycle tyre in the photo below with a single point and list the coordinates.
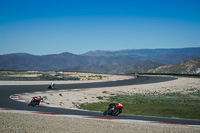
(105, 112)
(32, 104)
(116, 113)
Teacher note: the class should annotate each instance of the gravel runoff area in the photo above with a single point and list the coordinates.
(12, 121)
(32, 123)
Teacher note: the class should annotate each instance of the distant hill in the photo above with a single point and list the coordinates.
(98, 61)
(33, 62)
(194, 52)
(163, 56)
(191, 66)
(57, 61)
(115, 69)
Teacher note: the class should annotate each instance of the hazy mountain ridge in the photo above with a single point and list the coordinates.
(146, 52)
(56, 61)
(115, 62)
(115, 69)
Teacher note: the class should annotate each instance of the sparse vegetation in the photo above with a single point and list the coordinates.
(100, 98)
(154, 104)
(91, 77)
(105, 92)
(34, 75)
(43, 76)
(61, 103)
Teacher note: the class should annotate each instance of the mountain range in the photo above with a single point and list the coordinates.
(112, 62)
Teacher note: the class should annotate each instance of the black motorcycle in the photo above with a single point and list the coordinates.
(51, 86)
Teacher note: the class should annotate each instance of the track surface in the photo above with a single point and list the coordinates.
(7, 90)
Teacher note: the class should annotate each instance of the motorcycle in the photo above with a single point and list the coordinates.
(51, 86)
(35, 101)
(136, 75)
(114, 110)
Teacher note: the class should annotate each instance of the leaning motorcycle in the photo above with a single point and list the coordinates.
(35, 101)
(114, 111)
(51, 86)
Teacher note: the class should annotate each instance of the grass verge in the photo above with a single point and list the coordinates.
(179, 105)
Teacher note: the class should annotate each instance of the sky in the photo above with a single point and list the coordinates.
(41, 27)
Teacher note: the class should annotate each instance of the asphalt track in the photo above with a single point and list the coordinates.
(7, 90)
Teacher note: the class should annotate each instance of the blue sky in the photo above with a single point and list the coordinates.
(42, 27)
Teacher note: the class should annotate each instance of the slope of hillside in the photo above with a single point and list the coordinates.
(191, 66)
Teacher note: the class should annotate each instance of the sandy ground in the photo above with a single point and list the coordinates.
(17, 122)
(32, 123)
(70, 99)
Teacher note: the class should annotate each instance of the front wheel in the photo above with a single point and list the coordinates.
(32, 104)
(105, 112)
(117, 112)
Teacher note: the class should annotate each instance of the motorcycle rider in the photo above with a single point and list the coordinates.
(35, 101)
(112, 106)
(51, 85)
(38, 100)
(114, 109)
(136, 75)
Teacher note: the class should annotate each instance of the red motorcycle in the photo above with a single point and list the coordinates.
(114, 109)
(35, 101)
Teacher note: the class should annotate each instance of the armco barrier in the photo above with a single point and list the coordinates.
(171, 74)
